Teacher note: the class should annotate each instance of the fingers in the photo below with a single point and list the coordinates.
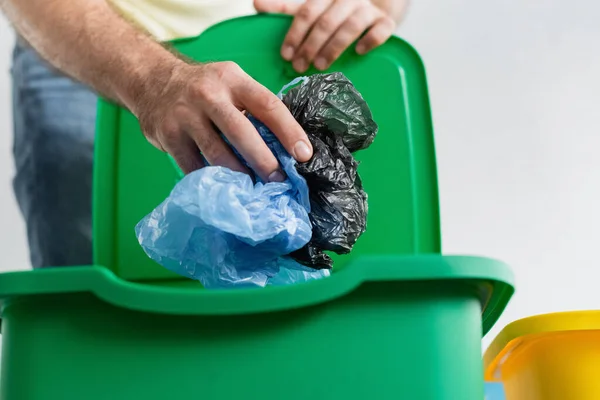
(215, 94)
(277, 6)
(214, 148)
(376, 36)
(304, 19)
(172, 139)
(362, 19)
(186, 154)
(246, 139)
(322, 30)
(265, 106)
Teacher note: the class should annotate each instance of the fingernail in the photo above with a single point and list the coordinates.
(320, 63)
(361, 49)
(300, 65)
(287, 52)
(302, 151)
(277, 176)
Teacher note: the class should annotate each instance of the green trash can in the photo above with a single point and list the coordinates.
(395, 320)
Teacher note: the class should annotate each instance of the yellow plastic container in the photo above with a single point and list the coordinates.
(548, 357)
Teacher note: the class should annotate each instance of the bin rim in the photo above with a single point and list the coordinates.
(493, 280)
(531, 328)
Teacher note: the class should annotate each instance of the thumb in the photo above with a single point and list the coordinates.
(289, 7)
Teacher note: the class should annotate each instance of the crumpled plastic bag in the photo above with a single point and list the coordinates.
(329, 106)
(219, 227)
(338, 122)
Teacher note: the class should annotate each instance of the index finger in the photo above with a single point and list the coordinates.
(271, 111)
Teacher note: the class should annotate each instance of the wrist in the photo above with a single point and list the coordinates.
(146, 80)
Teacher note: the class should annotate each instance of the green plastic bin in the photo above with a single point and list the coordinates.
(395, 319)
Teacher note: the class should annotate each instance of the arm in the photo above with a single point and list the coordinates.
(176, 102)
(90, 42)
(323, 29)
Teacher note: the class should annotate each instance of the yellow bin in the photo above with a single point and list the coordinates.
(548, 357)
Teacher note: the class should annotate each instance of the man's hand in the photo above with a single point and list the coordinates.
(181, 118)
(323, 29)
(178, 104)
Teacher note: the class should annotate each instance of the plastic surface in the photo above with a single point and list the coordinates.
(548, 357)
(220, 228)
(85, 333)
(338, 122)
(132, 177)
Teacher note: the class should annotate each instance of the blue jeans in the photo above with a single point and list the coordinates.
(54, 124)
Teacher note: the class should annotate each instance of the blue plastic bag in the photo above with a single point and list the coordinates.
(220, 228)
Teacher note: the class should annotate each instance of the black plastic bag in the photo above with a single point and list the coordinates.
(338, 122)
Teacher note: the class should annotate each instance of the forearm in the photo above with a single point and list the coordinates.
(87, 40)
(394, 8)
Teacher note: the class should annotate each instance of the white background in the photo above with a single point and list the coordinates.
(515, 89)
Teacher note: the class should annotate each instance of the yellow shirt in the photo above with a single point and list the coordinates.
(173, 19)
